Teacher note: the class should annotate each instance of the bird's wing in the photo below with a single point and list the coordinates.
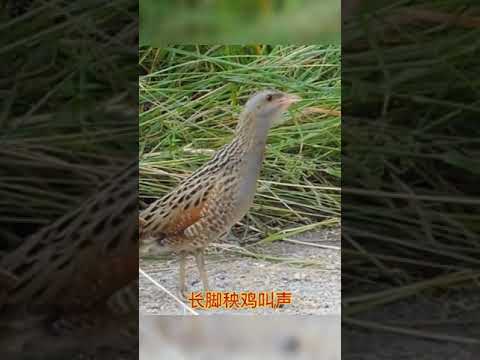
(180, 209)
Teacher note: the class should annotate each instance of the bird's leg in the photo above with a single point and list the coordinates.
(182, 288)
(200, 259)
(247, 222)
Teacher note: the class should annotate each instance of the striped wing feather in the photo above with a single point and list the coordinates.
(179, 210)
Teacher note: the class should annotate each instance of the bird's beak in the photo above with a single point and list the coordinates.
(288, 99)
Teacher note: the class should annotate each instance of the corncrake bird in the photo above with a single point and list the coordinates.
(205, 206)
(72, 287)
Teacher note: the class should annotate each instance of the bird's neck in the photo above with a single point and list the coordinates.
(252, 134)
(250, 139)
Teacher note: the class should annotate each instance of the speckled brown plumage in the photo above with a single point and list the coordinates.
(83, 257)
(73, 285)
(204, 206)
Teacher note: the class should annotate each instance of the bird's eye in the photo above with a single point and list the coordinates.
(269, 97)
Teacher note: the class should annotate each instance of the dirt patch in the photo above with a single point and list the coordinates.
(240, 338)
(311, 273)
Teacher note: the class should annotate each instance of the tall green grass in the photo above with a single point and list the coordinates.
(239, 22)
(410, 214)
(190, 98)
(67, 117)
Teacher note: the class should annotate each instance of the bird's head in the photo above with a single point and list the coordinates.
(267, 106)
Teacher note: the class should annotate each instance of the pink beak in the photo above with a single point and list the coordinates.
(288, 99)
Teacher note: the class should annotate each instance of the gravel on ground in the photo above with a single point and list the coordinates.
(309, 271)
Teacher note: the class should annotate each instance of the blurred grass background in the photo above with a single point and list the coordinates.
(190, 98)
(411, 200)
(68, 105)
(238, 22)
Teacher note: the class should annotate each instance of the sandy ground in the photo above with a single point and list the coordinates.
(315, 287)
(240, 338)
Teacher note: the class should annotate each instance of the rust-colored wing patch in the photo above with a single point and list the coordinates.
(186, 205)
(183, 219)
(94, 285)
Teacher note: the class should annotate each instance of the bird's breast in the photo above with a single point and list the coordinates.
(248, 176)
